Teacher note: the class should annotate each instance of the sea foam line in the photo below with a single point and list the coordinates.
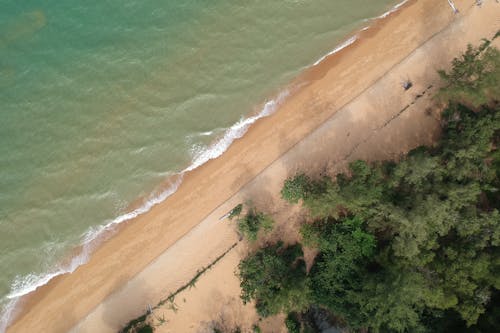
(29, 283)
(235, 132)
(393, 9)
(354, 38)
(25, 285)
(337, 49)
(9, 311)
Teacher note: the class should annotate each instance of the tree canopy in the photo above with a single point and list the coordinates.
(474, 78)
(406, 246)
(254, 221)
(275, 278)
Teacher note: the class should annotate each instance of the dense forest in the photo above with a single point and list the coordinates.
(403, 246)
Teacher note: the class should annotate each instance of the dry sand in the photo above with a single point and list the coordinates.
(350, 108)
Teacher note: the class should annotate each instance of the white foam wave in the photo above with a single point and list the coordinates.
(355, 37)
(337, 49)
(9, 311)
(207, 133)
(393, 9)
(29, 283)
(235, 132)
(26, 284)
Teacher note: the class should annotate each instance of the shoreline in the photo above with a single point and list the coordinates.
(192, 177)
(92, 239)
(115, 226)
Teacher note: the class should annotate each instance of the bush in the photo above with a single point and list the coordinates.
(145, 329)
(475, 76)
(252, 222)
(236, 211)
(292, 323)
(275, 277)
(135, 325)
(295, 188)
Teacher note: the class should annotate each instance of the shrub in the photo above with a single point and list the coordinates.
(474, 78)
(295, 188)
(236, 211)
(292, 323)
(145, 329)
(252, 222)
(275, 278)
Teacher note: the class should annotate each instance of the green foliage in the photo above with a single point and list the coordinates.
(346, 248)
(438, 234)
(412, 246)
(254, 221)
(275, 278)
(145, 329)
(292, 323)
(256, 329)
(295, 188)
(475, 76)
(450, 321)
(345, 238)
(359, 192)
(135, 324)
(302, 187)
(236, 211)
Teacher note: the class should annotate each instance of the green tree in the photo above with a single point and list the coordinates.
(275, 278)
(292, 323)
(357, 192)
(252, 222)
(337, 274)
(236, 211)
(145, 329)
(437, 232)
(296, 188)
(406, 246)
(474, 78)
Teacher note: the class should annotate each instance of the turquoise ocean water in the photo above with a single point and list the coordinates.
(100, 101)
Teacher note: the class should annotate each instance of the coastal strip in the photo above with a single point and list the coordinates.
(212, 183)
(96, 235)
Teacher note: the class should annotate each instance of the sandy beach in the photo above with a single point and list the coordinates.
(350, 106)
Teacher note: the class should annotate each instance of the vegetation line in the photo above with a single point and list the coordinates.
(195, 278)
(139, 323)
(402, 246)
